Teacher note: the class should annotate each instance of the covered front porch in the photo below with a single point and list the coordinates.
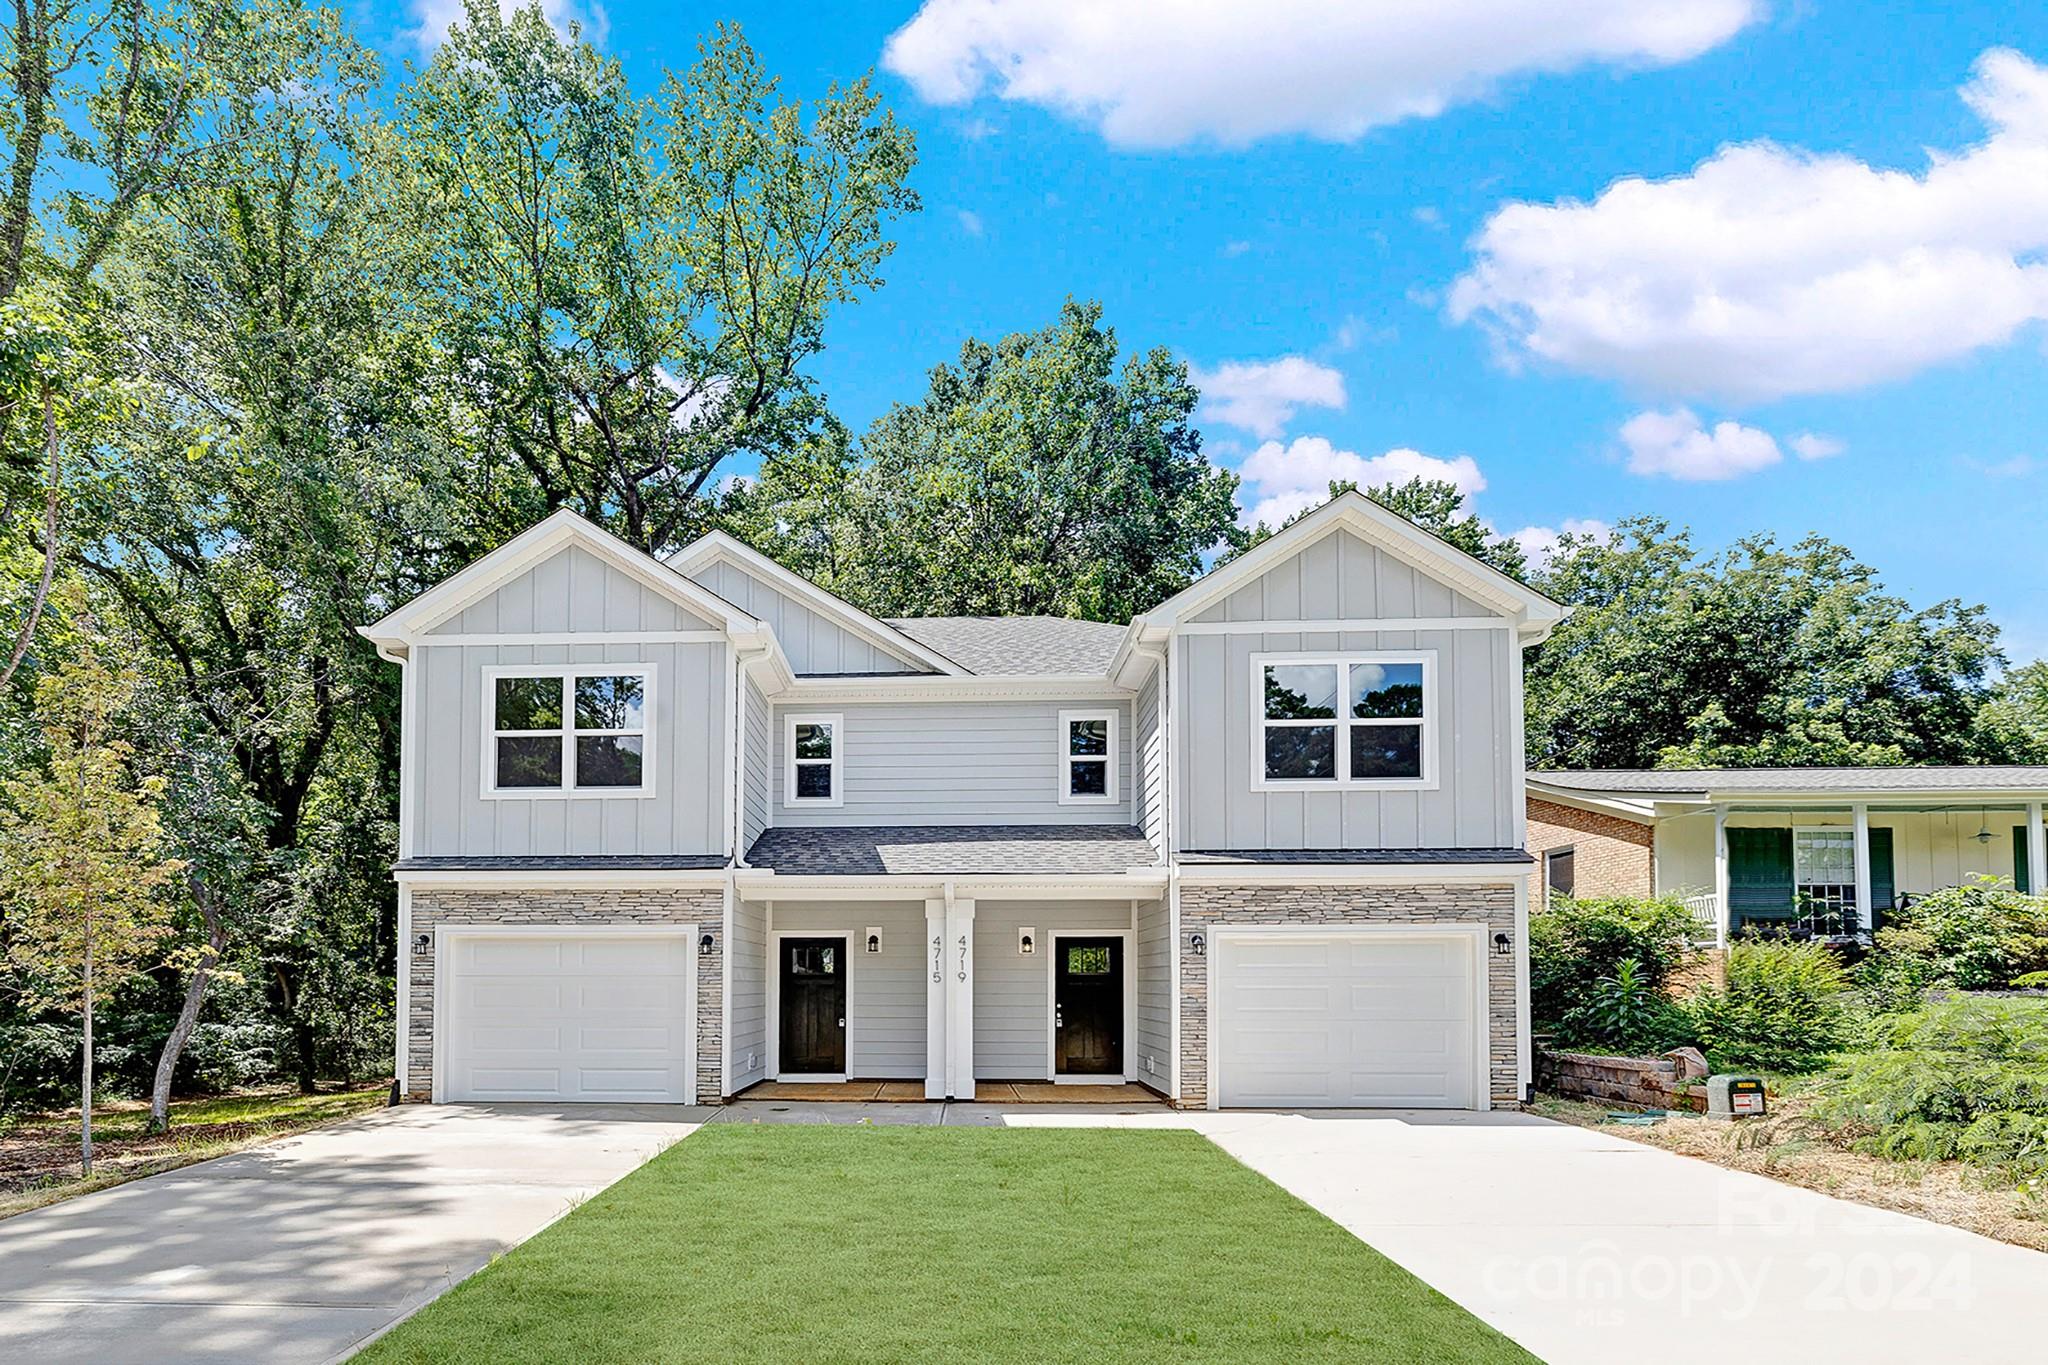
(1834, 869)
(1004, 991)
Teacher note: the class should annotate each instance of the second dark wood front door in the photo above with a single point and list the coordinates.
(1088, 1007)
(813, 1007)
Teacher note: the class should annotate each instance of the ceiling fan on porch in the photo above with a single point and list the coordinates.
(1983, 835)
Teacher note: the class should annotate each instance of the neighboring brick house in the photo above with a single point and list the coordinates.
(1582, 852)
(672, 827)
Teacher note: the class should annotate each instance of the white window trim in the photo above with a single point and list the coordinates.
(1063, 749)
(1343, 781)
(568, 791)
(1836, 832)
(837, 762)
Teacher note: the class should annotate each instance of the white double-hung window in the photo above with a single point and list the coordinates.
(1087, 758)
(552, 730)
(1344, 720)
(814, 745)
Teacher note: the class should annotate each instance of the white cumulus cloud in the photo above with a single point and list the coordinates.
(1540, 543)
(1284, 479)
(1769, 271)
(1808, 445)
(1157, 73)
(1262, 396)
(434, 17)
(1677, 445)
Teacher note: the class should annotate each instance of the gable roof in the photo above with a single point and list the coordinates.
(715, 546)
(1018, 645)
(538, 542)
(1703, 784)
(1534, 613)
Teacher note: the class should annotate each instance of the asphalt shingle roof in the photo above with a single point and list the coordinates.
(1012, 645)
(1050, 850)
(1699, 781)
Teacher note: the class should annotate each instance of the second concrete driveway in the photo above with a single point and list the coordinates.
(1590, 1249)
(296, 1250)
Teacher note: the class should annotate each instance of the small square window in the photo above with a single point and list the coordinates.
(1301, 752)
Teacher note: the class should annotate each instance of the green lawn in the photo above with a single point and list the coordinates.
(813, 1244)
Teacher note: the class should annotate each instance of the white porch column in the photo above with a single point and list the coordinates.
(1863, 909)
(2037, 851)
(1724, 914)
(960, 993)
(936, 1001)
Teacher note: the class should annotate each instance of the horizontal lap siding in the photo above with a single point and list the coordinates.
(885, 991)
(1148, 753)
(1342, 578)
(760, 750)
(1151, 976)
(955, 763)
(749, 957)
(1013, 993)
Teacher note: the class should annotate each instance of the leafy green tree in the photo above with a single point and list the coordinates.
(1043, 474)
(81, 847)
(624, 292)
(1436, 505)
(2012, 724)
(1763, 655)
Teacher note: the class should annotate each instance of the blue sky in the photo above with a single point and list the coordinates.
(1403, 227)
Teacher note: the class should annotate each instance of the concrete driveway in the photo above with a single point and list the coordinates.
(297, 1250)
(1590, 1249)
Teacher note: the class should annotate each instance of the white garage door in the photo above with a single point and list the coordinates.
(536, 1017)
(1365, 1020)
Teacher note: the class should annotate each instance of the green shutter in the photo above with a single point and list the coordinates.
(1759, 874)
(1883, 879)
(2019, 860)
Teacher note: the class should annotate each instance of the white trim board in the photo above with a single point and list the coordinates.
(1129, 1024)
(771, 1052)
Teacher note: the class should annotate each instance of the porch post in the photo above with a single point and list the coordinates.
(1724, 913)
(2037, 850)
(960, 987)
(1863, 906)
(936, 999)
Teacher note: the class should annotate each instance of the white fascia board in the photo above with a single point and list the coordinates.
(1140, 651)
(915, 687)
(1968, 798)
(715, 546)
(1642, 812)
(1352, 874)
(1532, 612)
(533, 545)
(762, 885)
(569, 879)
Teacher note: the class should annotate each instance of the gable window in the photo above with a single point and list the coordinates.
(567, 730)
(1347, 720)
(1087, 767)
(811, 776)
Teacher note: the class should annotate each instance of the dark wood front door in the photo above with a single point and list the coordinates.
(1088, 1007)
(813, 1006)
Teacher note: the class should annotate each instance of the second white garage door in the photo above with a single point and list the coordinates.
(1363, 1019)
(575, 1018)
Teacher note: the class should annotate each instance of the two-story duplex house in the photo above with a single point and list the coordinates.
(671, 829)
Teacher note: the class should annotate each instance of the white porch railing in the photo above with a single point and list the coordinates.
(1706, 915)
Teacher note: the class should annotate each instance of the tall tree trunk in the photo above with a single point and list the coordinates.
(50, 510)
(85, 1070)
(188, 1014)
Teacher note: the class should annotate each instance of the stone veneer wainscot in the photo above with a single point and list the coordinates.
(1204, 907)
(700, 910)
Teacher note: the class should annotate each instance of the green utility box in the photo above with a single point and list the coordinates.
(1735, 1097)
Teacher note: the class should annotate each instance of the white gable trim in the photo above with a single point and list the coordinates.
(1530, 610)
(716, 547)
(534, 545)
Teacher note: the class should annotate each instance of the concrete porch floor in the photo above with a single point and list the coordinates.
(912, 1092)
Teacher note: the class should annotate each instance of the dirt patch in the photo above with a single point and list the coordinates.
(1782, 1148)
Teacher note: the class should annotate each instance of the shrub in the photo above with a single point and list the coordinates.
(1624, 1013)
(1962, 1079)
(1781, 1009)
(1981, 935)
(1577, 944)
